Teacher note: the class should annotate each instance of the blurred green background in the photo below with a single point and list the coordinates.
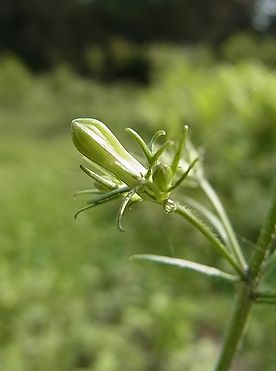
(70, 299)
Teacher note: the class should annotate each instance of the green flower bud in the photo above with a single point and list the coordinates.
(96, 142)
(162, 176)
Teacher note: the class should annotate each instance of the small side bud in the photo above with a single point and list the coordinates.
(162, 176)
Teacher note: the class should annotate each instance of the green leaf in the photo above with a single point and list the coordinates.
(265, 294)
(265, 301)
(187, 264)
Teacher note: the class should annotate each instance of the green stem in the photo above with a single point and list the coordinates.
(246, 291)
(216, 243)
(235, 327)
(264, 243)
(215, 201)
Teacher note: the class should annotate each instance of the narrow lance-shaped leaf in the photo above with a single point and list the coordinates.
(265, 301)
(265, 294)
(187, 264)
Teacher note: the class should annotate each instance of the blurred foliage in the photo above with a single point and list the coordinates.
(246, 46)
(119, 59)
(46, 34)
(69, 297)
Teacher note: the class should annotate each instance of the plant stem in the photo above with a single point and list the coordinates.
(246, 290)
(264, 243)
(188, 215)
(235, 327)
(215, 201)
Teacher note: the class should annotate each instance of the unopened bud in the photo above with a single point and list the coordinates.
(162, 176)
(96, 142)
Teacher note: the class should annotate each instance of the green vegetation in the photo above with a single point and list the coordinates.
(69, 297)
(46, 34)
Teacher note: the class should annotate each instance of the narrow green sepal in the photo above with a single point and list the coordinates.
(112, 195)
(99, 179)
(86, 191)
(141, 143)
(126, 200)
(180, 180)
(187, 264)
(155, 138)
(179, 151)
(161, 150)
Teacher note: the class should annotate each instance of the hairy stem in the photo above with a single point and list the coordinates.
(205, 230)
(235, 327)
(246, 290)
(264, 243)
(215, 201)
